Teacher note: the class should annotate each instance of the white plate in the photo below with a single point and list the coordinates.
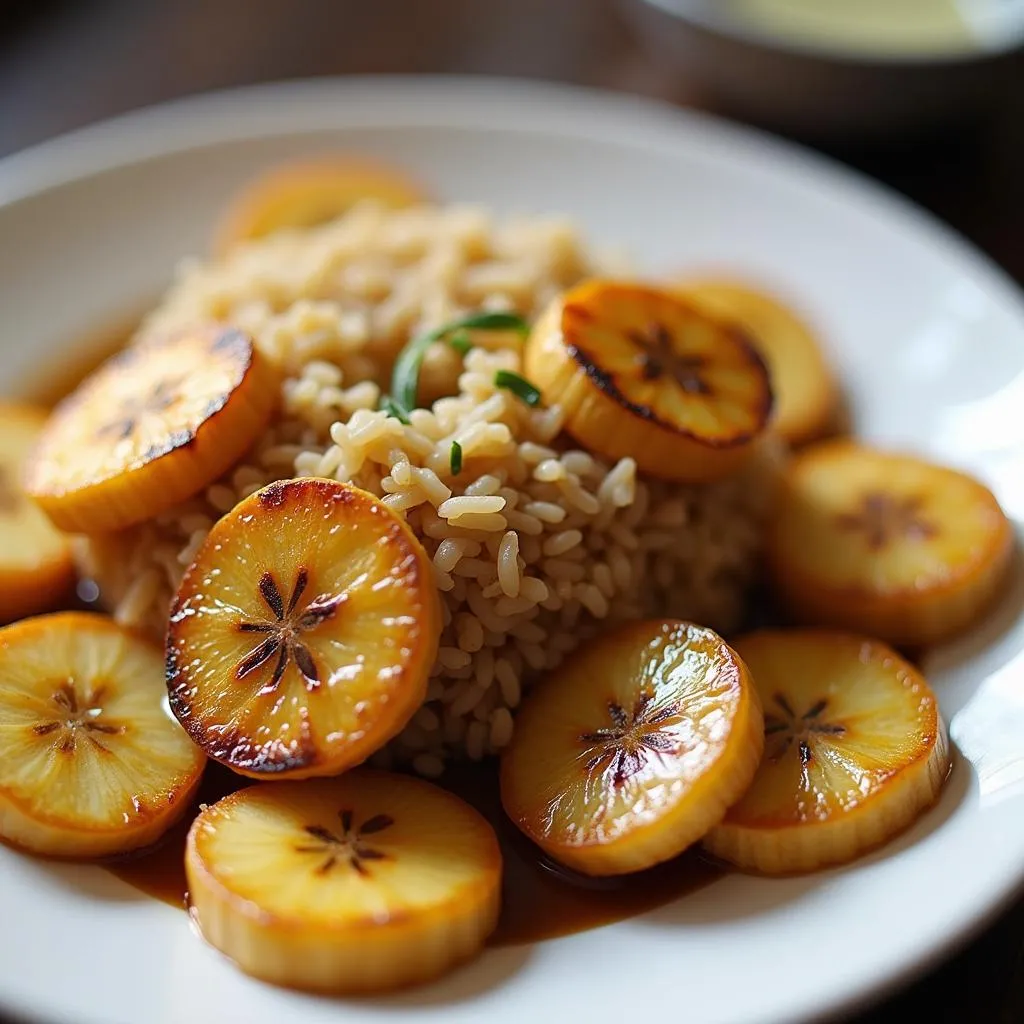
(930, 341)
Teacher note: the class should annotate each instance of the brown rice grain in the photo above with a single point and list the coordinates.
(476, 569)
(534, 655)
(586, 502)
(508, 564)
(559, 543)
(508, 681)
(469, 633)
(549, 471)
(442, 579)
(466, 505)
(545, 511)
(465, 700)
(602, 577)
(510, 607)
(431, 485)
(222, 498)
(453, 658)
(485, 486)
(449, 551)
(579, 462)
(561, 569)
(530, 632)
(402, 501)
(534, 454)
(485, 666)
(533, 589)
(501, 728)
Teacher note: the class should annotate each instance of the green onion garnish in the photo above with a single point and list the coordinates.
(405, 377)
(519, 386)
(490, 322)
(460, 341)
(392, 408)
(455, 458)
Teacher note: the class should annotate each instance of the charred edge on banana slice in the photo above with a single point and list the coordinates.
(227, 744)
(165, 393)
(605, 382)
(230, 747)
(277, 494)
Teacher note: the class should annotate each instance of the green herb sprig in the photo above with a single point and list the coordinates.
(455, 458)
(405, 377)
(519, 386)
(392, 408)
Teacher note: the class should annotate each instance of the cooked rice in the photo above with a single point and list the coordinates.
(535, 545)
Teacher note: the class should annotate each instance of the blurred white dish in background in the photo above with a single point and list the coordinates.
(885, 29)
(834, 68)
(922, 329)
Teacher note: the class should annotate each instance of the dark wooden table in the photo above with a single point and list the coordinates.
(66, 64)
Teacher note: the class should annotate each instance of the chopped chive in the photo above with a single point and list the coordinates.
(405, 377)
(490, 322)
(519, 386)
(460, 341)
(455, 458)
(394, 408)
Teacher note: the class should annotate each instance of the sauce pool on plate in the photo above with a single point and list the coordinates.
(539, 899)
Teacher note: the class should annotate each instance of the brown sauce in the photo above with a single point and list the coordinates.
(540, 900)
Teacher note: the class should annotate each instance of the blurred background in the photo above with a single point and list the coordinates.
(926, 95)
(934, 111)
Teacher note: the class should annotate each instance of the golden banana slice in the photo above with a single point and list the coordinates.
(629, 753)
(309, 192)
(639, 372)
(887, 545)
(91, 763)
(364, 883)
(152, 427)
(855, 750)
(806, 393)
(36, 567)
(302, 636)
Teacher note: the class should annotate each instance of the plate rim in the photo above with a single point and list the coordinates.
(280, 109)
(285, 107)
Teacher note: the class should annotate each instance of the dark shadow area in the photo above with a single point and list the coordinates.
(19, 16)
